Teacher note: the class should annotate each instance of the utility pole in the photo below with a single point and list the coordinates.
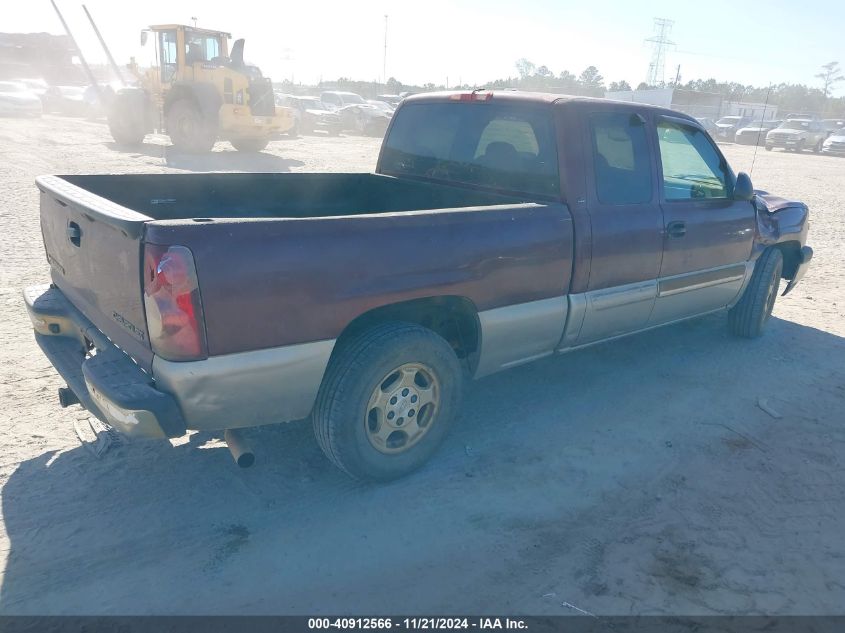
(660, 42)
(384, 61)
(678, 76)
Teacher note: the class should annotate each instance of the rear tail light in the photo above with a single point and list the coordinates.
(172, 303)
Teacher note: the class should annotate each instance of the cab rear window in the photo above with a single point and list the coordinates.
(501, 146)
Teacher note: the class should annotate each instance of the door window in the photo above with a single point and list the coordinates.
(621, 159)
(167, 47)
(692, 166)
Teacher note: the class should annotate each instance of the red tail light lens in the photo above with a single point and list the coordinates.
(172, 303)
(475, 95)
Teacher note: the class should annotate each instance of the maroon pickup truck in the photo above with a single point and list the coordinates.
(498, 228)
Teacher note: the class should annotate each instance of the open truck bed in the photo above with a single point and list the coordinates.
(283, 264)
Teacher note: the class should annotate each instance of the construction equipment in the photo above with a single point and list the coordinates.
(198, 92)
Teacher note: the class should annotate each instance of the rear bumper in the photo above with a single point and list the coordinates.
(105, 380)
(220, 392)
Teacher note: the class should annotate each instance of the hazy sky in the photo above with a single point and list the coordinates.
(473, 41)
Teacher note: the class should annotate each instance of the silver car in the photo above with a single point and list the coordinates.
(835, 144)
(18, 100)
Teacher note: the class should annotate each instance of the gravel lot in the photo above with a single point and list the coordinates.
(637, 477)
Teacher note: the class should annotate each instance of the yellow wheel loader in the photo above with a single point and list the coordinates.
(198, 92)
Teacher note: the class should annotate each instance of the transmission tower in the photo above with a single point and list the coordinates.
(659, 42)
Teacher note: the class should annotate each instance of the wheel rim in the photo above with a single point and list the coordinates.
(402, 408)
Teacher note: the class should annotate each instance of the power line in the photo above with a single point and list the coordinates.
(660, 42)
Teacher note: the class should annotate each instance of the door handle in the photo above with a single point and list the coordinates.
(676, 229)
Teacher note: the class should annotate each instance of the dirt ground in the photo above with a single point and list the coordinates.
(637, 477)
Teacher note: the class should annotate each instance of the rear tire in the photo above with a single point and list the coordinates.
(387, 401)
(249, 144)
(752, 311)
(189, 131)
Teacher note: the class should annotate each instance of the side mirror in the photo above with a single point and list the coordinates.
(743, 189)
(144, 38)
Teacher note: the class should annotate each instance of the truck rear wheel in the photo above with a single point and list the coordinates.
(750, 314)
(188, 129)
(249, 144)
(387, 401)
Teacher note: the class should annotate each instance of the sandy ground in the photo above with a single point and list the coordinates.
(635, 477)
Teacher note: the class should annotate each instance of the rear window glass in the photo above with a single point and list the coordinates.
(500, 146)
(622, 162)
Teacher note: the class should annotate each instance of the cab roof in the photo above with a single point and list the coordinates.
(518, 96)
(171, 27)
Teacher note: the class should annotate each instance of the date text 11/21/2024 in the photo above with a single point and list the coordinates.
(418, 623)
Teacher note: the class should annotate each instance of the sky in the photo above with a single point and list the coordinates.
(473, 41)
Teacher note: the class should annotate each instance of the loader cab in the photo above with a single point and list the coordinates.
(183, 52)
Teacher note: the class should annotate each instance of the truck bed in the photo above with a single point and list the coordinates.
(290, 258)
(267, 195)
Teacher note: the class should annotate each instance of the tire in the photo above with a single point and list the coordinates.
(294, 131)
(188, 129)
(249, 144)
(361, 420)
(126, 120)
(800, 147)
(769, 148)
(748, 317)
(818, 148)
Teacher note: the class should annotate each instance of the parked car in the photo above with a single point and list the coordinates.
(363, 301)
(835, 143)
(383, 106)
(391, 99)
(309, 115)
(832, 126)
(76, 101)
(709, 125)
(797, 135)
(727, 126)
(37, 86)
(18, 100)
(364, 119)
(755, 132)
(334, 100)
(315, 116)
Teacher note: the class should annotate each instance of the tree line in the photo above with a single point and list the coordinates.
(531, 77)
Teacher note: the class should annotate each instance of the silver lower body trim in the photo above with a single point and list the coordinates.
(247, 388)
(520, 333)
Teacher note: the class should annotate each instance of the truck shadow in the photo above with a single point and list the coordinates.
(224, 159)
(128, 532)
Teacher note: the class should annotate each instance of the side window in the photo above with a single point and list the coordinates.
(692, 167)
(621, 159)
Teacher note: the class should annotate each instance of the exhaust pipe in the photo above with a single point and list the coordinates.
(239, 448)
